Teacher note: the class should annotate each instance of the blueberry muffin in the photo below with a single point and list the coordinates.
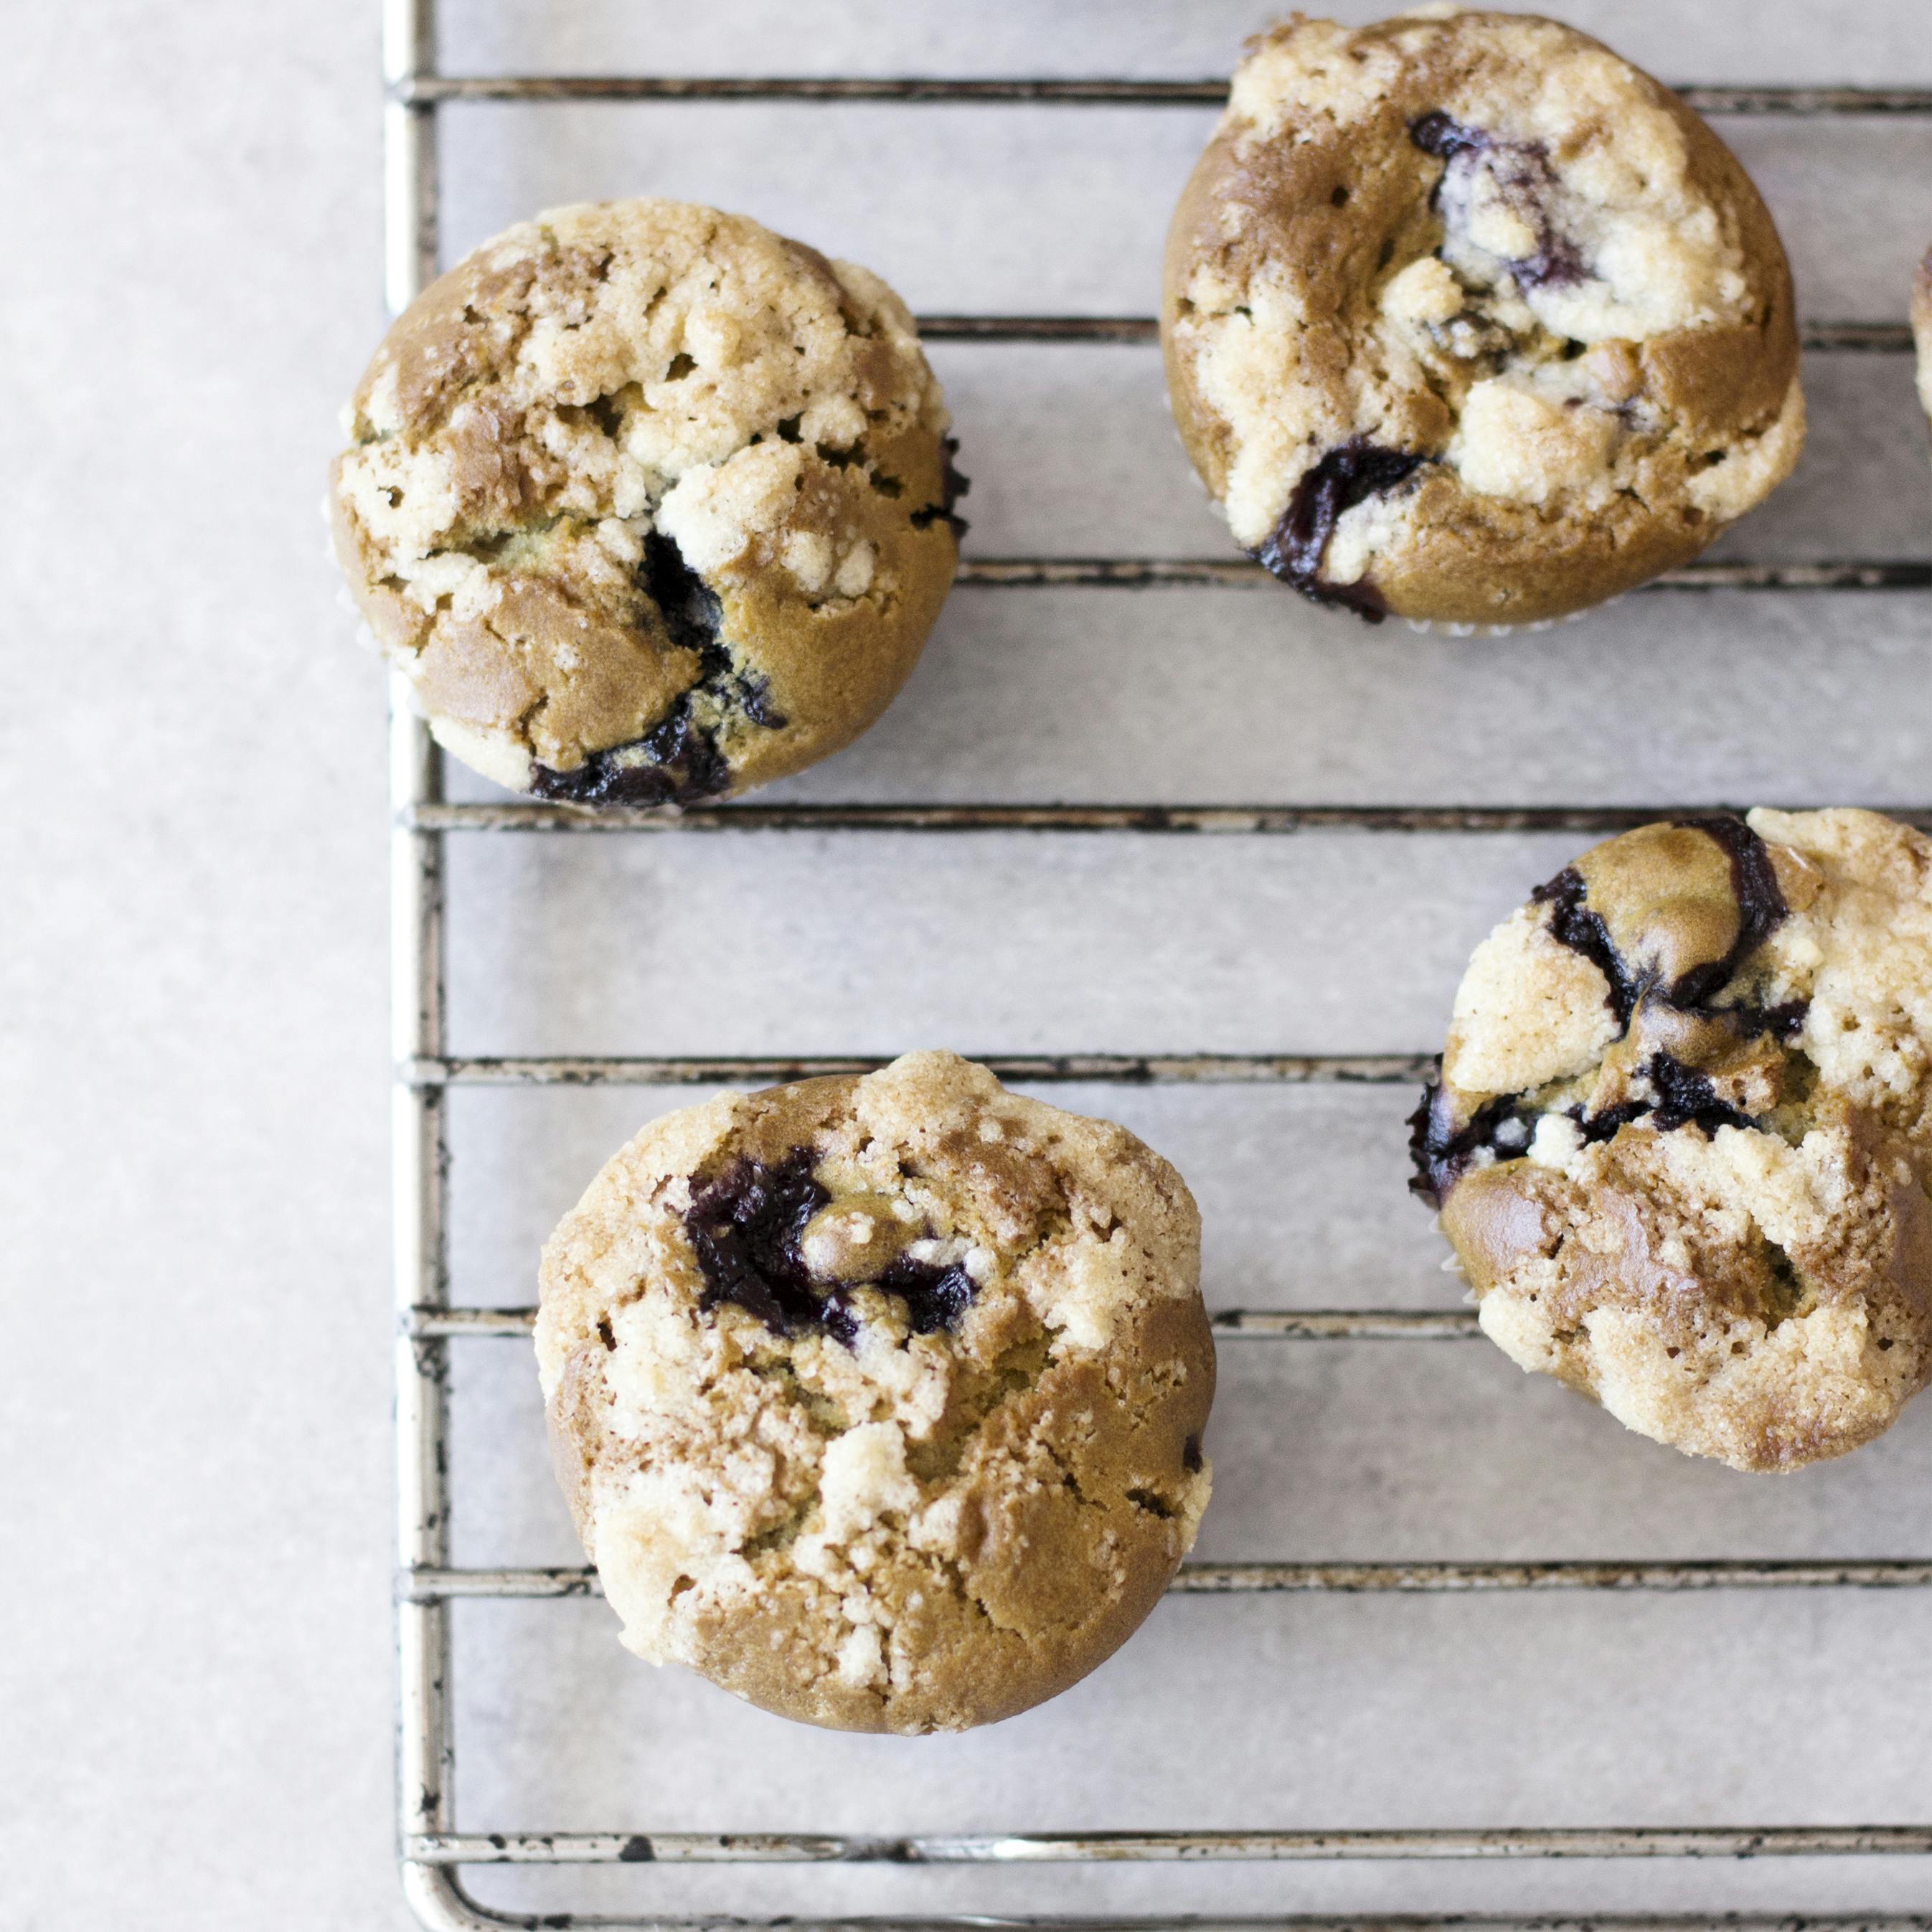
(1467, 320)
(879, 1401)
(651, 504)
(1682, 1138)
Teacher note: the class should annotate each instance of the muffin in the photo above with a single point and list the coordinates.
(650, 504)
(1682, 1140)
(1468, 320)
(879, 1401)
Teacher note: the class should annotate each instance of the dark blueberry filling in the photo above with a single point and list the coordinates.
(1190, 1453)
(1442, 1152)
(1761, 906)
(746, 1227)
(935, 1297)
(688, 605)
(680, 763)
(1445, 137)
(1577, 927)
(1521, 170)
(952, 487)
(1604, 1127)
(1784, 1022)
(1347, 476)
(840, 1320)
(1685, 1098)
(677, 760)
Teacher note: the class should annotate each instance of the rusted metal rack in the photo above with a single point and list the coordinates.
(432, 1845)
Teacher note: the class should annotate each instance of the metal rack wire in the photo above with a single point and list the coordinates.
(432, 1847)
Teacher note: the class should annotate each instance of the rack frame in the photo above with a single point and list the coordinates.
(431, 1846)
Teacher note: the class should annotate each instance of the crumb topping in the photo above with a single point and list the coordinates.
(1482, 241)
(607, 376)
(903, 1375)
(1682, 1138)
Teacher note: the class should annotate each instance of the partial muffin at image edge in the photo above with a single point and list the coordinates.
(1682, 1140)
(878, 1401)
(1466, 320)
(651, 504)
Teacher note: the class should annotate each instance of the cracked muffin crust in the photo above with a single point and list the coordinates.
(651, 504)
(879, 1401)
(1682, 1136)
(1467, 320)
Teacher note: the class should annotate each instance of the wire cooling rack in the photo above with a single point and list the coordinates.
(432, 1846)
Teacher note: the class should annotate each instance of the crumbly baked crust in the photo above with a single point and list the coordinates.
(1682, 1139)
(1466, 318)
(879, 1401)
(650, 503)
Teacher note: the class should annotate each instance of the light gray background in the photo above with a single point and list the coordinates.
(195, 1505)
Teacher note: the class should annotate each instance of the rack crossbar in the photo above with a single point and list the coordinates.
(423, 90)
(1214, 819)
(442, 1903)
(1230, 1324)
(1131, 1069)
(431, 1584)
(1119, 1847)
(1243, 573)
(1823, 337)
